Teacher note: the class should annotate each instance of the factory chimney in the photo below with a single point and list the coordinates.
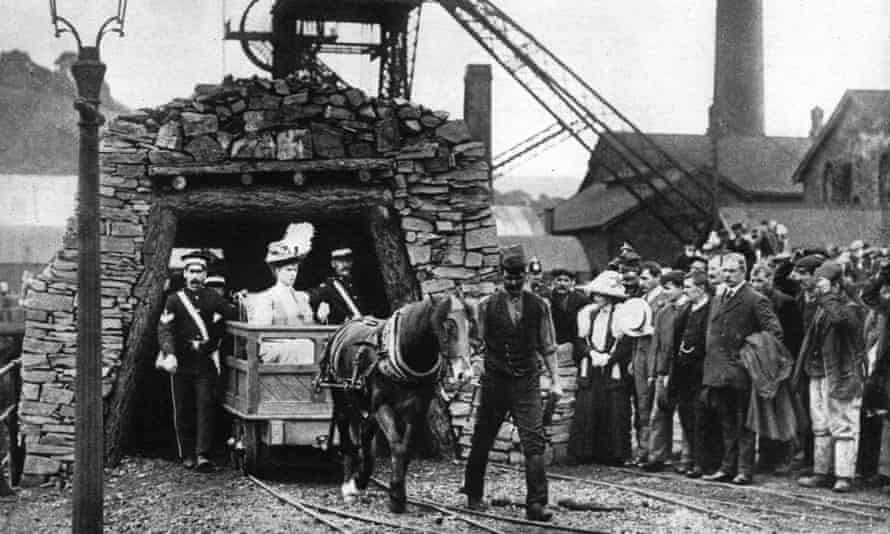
(738, 69)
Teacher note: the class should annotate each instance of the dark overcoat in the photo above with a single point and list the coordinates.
(731, 320)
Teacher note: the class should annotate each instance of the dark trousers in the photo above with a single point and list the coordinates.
(731, 406)
(520, 397)
(708, 437)
(193, 413)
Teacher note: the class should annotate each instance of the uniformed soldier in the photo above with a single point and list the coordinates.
(516, 327)
(336, 299)
(192, 323)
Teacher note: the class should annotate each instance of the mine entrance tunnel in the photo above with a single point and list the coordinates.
(381, 273)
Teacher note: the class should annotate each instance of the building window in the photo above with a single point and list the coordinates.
(837, 183)
(884, 179)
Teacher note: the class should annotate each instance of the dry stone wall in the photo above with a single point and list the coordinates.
(438, 179)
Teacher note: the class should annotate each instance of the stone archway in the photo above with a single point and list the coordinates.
(248, 148)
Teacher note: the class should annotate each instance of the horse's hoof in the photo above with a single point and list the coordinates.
(349, 491)
(397, 506)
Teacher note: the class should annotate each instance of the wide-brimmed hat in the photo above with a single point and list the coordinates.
(608, 284)
(633, 318)
(295, 246)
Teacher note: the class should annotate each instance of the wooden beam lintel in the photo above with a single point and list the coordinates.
(239, 167)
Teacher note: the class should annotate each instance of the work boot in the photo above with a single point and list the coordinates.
(477, 505)
(842, 485)
(817, 480)
(5, 489)
(204, 465)
(537, 512)
(188, 462)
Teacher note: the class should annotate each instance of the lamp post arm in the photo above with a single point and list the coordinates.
(67, 27)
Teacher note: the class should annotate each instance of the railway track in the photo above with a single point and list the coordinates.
(345, 522)
(774, 509)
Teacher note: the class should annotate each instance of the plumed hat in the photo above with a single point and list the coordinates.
(295, 246)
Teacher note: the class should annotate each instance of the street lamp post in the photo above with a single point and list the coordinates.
(88, 72)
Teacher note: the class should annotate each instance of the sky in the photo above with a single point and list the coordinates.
(653, 59)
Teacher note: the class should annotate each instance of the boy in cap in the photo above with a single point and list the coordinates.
(190, 329)
(515, 326)
(832, 356)
(337, 299)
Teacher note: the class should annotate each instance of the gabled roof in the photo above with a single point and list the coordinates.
(755, 164)
(811, 227)
(870, 102)
(598, 205)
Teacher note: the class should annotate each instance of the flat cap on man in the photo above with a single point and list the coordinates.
(830, 271)
(809, 263)
(513, 259)
(562, 271)
(674, 277)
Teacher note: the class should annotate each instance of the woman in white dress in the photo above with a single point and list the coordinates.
(281, 304)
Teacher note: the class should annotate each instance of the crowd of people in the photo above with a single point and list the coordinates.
(774, 360)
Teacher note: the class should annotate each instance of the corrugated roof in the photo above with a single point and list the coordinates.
(518, 220)
(553, 250)
(870, 102)
(811, 227)
(29, 244)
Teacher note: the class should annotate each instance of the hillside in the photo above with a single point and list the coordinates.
(36, 111)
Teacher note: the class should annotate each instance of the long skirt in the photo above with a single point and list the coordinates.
(600, 430)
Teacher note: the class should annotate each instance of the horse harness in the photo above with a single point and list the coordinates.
(382, 338)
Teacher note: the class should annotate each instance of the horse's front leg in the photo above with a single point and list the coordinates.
(366, 454)
(350, 458)
(398, 446)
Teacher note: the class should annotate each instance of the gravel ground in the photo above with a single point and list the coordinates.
(152, 495)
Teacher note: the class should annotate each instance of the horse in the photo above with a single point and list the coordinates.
(383, 376)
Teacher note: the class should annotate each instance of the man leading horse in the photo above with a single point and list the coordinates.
(516, 327)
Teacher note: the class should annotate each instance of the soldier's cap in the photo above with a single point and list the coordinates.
(809, 263)
(534, 266)
(215, 280)
(830, 271)
(562, 271)
(513, 259)
(195, 257)
(341, 254)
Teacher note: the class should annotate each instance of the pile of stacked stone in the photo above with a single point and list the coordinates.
(437, 176)
(507, 446)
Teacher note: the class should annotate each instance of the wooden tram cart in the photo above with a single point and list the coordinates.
(276, 404)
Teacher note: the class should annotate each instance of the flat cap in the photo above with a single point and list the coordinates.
(830, 271)
(809, 263)
(674, 277)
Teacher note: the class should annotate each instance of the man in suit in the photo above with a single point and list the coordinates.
(190, 329)
(739, 311)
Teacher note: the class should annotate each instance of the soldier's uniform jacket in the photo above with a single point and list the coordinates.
(340, 311)
(178, 334)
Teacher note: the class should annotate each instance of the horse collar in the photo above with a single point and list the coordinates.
(394, 365)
